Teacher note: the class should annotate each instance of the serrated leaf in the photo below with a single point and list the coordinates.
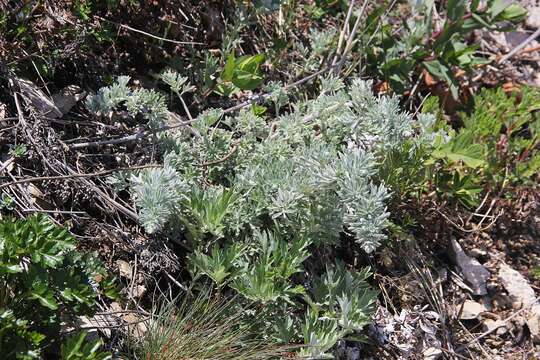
(462, 149)
(472, 156)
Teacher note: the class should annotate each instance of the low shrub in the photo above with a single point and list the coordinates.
(44, 285)
(253, 198)
(495, 145)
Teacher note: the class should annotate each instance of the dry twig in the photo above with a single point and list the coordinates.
(73, 176)
(520, 46)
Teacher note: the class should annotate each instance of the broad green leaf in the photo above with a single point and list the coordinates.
(246, 80)
(436, 68)
(498, 6)
(441, 71)
(247, 72)
(456, 9)
(10, 268)
(51, 260)
(471, 156)
(462, 149)
(228, 70)
(250, 63)
(46, 299)
(513, 13)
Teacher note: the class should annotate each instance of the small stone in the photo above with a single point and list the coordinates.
(470, 310)
(497, 343)
(137, 326)
(517, 286)
(67, 98)
(534, 327)
(476, 253)
(138, 291)
(519, 321)
(35, 192)
(95, 323)
(492, 325)
(522, 294)
(533, 20)
(432, 353)
(501, 331)
(124, 268)
(475, 274)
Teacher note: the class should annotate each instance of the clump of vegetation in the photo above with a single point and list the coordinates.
(251, 197)
(206, 326)
(45, 283)
(398, 56)
(265, 201)
(495, 146)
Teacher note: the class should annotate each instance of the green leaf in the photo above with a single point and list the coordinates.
(481, 21)
(250, 63)
(51, 260)
(498, 6)
(514, 13)
(228, 70)
(529, 168)
(258, 109)
(246, 80)
(52, 278)
(10, 268)
(225, 89)
(46, 299)
(462, 149)
(456, 9)
(436, 68)
(247, 72)
(472, 156)
(78, 347)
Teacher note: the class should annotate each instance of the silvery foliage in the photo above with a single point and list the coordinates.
(148, 103)
(312, 170)
(268, 189)
(341, 303)
(427, 134)
(319, 44)
(157, 193)
(178, 83)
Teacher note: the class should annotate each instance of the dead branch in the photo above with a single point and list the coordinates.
(73, 176)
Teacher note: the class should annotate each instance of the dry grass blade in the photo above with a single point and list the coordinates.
(350, 39)
(204, 327)
(433, 292)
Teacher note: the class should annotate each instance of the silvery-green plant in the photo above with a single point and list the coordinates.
(319, 183)
(254, 196)
(148, 103)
